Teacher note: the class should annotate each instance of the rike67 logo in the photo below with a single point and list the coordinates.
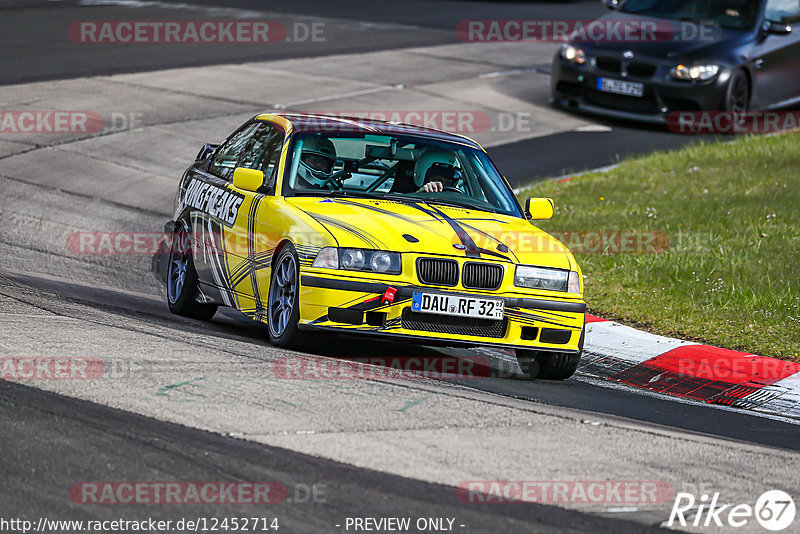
(774, 510)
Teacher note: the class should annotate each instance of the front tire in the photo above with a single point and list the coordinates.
(283, 305)
(550, 365)
(737, 94)
(182, 280)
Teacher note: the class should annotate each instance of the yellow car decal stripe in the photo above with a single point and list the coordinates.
(253, 265)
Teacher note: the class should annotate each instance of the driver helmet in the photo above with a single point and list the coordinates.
(317, 160)
(436, 162)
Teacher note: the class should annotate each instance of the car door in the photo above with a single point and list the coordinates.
(777, 74)
(251, 242)
(215, 211)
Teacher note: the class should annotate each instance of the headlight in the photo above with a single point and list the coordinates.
(548, 279)
(327, 258)
(573, 55)
(351, 259)
(381, 262)
(355, 259)
(696, 73)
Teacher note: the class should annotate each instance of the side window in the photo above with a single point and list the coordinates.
(227, 155)
(264, 151)
(785, 11)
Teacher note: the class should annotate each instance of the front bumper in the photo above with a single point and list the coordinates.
(574, 87)
(359, 306)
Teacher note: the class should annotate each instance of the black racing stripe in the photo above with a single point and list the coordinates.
(473, 250)
(546, 305)
(478, 230)
(322, 319)
(366, 238)
(221, 260)
(532, 319)
(262, 260)
(406, 292)
(436, 214)
(377, 209)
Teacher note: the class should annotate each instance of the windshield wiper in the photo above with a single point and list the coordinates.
(457, 205)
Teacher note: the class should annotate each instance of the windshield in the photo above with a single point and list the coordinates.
(734, 14)
(406, 169)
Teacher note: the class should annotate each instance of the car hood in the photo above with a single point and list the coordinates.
(434, 229)
(673, 39)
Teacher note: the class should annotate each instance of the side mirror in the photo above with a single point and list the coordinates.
(539, 209)
(206, 151)
(247, 179)
(777, 28)
(612, 4)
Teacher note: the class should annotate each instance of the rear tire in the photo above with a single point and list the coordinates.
(283, 304)
(182, 280)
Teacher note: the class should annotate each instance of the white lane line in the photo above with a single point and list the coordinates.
(360, 92)
(593, 128)
(510, 72)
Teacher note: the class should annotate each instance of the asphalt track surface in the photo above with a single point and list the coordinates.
(48, 440)
(88, 438)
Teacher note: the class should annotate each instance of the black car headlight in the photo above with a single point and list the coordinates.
(573, 54)
(356, 259)
(546, 278)
(697, 73)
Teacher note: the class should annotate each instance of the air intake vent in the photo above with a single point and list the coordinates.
(482, 275)
(461, 326)
(436, 272)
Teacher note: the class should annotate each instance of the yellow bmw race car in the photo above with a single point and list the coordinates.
(315, 223)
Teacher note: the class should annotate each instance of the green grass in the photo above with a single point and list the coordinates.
(730, 275)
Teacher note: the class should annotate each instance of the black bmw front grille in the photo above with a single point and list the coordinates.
(482, 275)
(609, 64)
(461, 326)
(634, 68)
(641, 70)
(437, 272)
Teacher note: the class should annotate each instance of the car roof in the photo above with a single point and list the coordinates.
(329, 124)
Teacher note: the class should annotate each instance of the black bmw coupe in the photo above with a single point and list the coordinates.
(685, 55)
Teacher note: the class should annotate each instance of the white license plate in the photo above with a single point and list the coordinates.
(619, 87)
(458, 305)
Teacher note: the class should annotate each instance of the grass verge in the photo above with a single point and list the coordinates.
(730, 273)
